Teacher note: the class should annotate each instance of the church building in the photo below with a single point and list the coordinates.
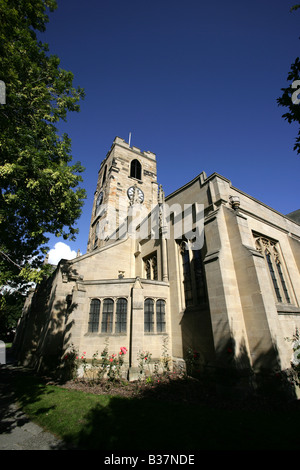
(207, 268)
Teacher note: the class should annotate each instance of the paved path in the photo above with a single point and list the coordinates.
(17, 432)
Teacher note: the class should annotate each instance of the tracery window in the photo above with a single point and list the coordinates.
(270, 250)
(199, 276)
(194, 283)
(150, 264)
(187, 278)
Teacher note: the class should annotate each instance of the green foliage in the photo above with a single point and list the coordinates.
(293, 109)
(40, 191)
(144, 359)
(192, 361)
(165, 359)
(295, 7)
(106, 366)
(286, 100)
(11, 304)
(295, 362)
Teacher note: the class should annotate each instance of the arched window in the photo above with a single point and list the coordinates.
(104, 175)
(150, 264)
(94, 316)
(270, 250)
(107, 316)
(136, 169)
(121, 316)
(199, 276)
(149, 316)
(148, 269)
(193, 272)
(160, 316)
(273, 276)
(284, 287)
(187, 278)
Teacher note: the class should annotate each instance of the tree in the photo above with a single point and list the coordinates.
(289, 97)
(39, 183)
(11, 304)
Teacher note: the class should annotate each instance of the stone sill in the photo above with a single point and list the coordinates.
(158, 333)
(286, 309)
(96, 333)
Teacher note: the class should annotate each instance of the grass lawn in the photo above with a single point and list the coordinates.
(105, 422)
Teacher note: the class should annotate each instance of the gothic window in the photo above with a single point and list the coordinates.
(187, 279)
(136, 169)
(150, 265)
(286, 293)
(194, 283)
(270, 250)
(273, 275)
(160, 316)
(149, 316)
(121, 316)
(199, 276)
(94, 316)
(148, 269)
(107, 316)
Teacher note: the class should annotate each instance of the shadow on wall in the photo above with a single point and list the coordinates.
(230, 368)
(44, 329)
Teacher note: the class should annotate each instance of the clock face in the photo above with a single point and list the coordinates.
(136, 192)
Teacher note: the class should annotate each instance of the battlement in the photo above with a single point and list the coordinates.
(123, 143)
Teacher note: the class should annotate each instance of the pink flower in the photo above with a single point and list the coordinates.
(110, 359)
(123, 350)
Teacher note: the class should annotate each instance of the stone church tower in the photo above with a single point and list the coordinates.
(126, 173)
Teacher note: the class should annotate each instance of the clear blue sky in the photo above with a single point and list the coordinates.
(194, 81)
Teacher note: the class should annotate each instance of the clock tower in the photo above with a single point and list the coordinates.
(127, 176)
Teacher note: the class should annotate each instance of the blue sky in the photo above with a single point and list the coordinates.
(195, 82)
